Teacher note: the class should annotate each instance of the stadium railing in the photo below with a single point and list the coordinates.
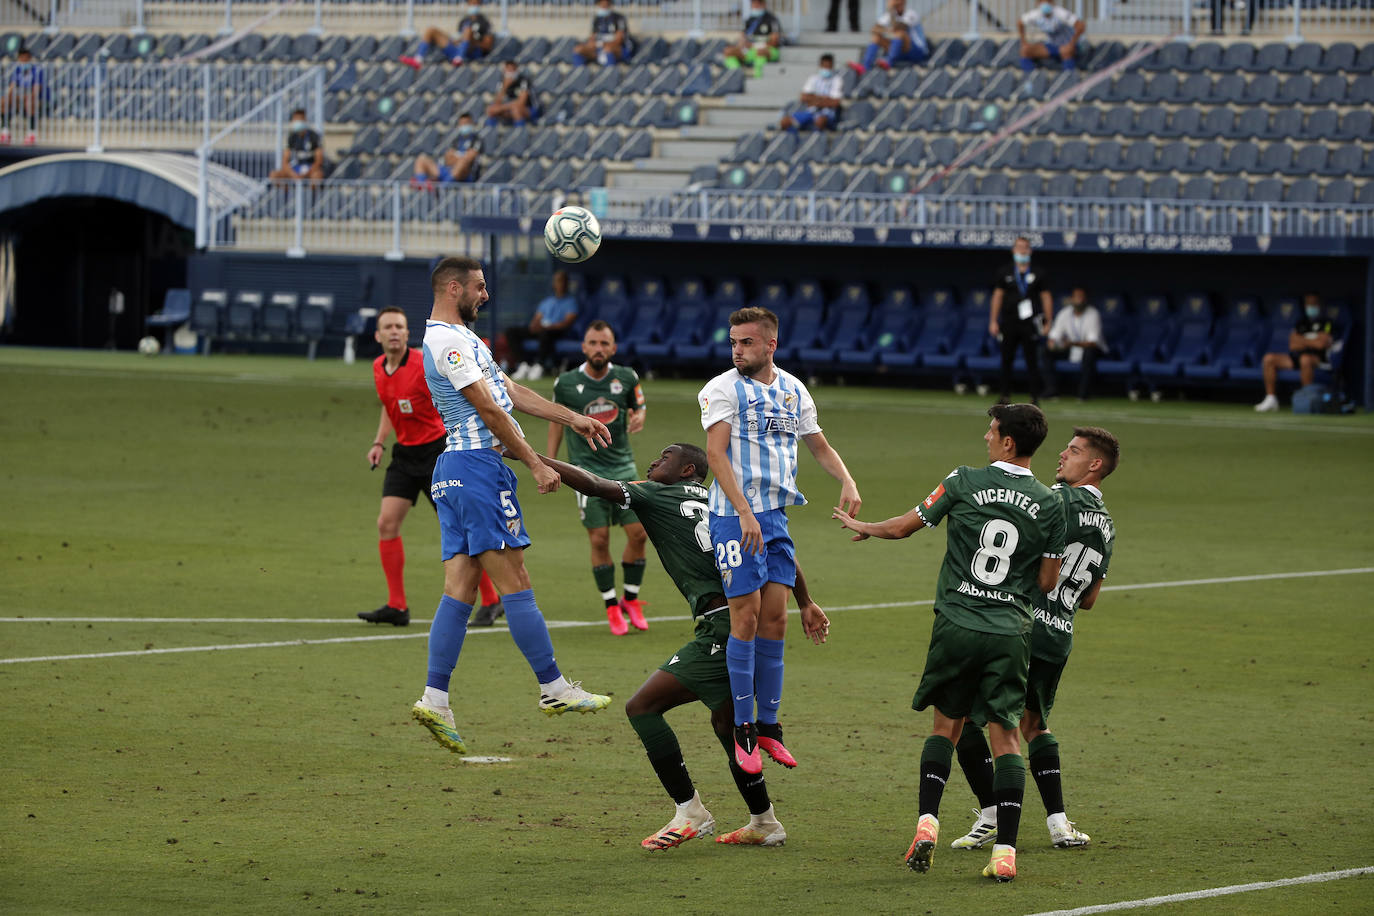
(99, 106)
(392, 218)
(972, 18)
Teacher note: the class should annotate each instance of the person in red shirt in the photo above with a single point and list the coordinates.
(420, 438)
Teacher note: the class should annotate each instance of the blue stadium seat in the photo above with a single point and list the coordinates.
(1061, 186)
(1268, 190)
(1206, 157)
(844, 329)
(1322, 124)
(1206, 56)
(1304, 57)
(1106, 156)
(804, 325)
(1187, 346)
(1237, 56)
(934, 336)
(1162, 87)
(1117, 121)
(1096, 186)
(885, 332)
(1127, 88)
(1242, 157)
(1197, 87)
(1071, 155)
(1085, 119)
(1339, 56)
(1185, 122)
(964, 350)
(686, 327)
(1197, 189)
(646, 323)
(1286, 124)
(1235, 344)
(1297, 90)
(1329, 90)
(1229, 88)
(176, 310)
(1271, 58)
(313, 318)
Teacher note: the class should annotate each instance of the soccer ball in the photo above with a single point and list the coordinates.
(149, 346)
(572, 234)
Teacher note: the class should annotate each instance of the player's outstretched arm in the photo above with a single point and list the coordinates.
(584, 481)
(892, 529)
(527, 401)
(504, 428)
(830, 460)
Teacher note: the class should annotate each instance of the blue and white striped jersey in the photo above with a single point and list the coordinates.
(1058, 26)
(454, 359)
(765, 421)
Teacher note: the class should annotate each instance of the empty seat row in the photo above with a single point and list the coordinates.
(251, 315)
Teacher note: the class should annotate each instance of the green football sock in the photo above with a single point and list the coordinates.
(605, 582)
(732, 63)
(634, 577)
(936, 757)
(1044, 767)
(660, 743)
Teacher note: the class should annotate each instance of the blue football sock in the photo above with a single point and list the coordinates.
(531, 634)
(870, 55)
(1071, 64)
(768, 677)
(739, 661)
(446, 634)
(1027, 64)
(493, 122)
(894, 51)
(421, 51)
(578, 60)
(518, 123)
(453, 50)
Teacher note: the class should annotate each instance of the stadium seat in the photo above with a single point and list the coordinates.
(1286, 124)
(686, 326)
(934, 336)
(886, 331)
(970, 344)
(279, 315)
(1235, 344)
(1184, 122)
(241, 317)
(1339, 56)
(1106, 156)
(1187, 346)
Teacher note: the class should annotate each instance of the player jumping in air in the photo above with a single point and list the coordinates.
(753, 416)
(611, 394)
(399, 374)
(1005, 539)
(1091, 455)
(672, 506)
(480, 523)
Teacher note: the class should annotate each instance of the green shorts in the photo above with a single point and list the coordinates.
(596, 512)
(981, 676)
(700, 665)
(1041, 684)
(751, 55)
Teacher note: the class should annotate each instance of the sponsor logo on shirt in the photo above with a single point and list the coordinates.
(603, 410)
(453, 358)
(439, 487)
(934, 497)
(974, 591)
(1054, 623)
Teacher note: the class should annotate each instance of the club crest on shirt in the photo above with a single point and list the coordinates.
(616, 387)
(403, 405)
(453, 358)
(789, 401)
(513, 525)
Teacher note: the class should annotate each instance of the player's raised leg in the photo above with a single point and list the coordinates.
(763, 828)
(660, 693)
(768, 643)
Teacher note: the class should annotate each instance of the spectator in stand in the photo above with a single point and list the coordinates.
(832, 17)
(610, 41)
(515, 102)
(820, 98)
(1309, 345)
(553, 316)
(1062, 30)
(759, 43)
(475, 40)
(898, 38)
(24, 95)
(1077, 332)
(304, 153)
(460, 160)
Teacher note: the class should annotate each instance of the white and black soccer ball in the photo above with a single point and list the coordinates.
(149, 346)
(572, 234)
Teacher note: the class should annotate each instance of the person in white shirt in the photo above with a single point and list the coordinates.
(820, 97)
(898, 38)
(1062, 30)
(1076, 335)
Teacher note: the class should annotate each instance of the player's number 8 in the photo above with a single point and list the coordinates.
(728, 555)
(996, 543)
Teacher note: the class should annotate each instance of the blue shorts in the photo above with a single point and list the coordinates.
(806, 117)
(1054, 52)
(474, 494)
(742, 573)
(301, 168)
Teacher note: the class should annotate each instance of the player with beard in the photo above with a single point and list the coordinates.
(612, 394)
(480, 522)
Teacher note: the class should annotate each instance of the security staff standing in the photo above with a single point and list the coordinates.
(1021, 310)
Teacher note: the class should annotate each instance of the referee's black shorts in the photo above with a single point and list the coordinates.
(412, 470)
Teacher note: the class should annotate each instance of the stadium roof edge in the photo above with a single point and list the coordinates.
(165, 183)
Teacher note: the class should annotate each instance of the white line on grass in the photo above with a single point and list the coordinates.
(553, 624)
(1314, 878)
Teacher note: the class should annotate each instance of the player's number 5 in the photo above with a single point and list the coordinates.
(1076, 574)
(507, 506)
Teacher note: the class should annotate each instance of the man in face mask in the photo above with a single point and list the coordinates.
(820, 98)
(475, 40)
(460, 160)
(515, 102)
(759, 43)
(610, 41)
(1062, 31)
(304, 153)
(1020, 310)
(1309, 345)
(898, 38)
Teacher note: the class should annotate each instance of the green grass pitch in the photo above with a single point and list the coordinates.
(1212, 734)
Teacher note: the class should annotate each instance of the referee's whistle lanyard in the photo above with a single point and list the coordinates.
(1021, 280)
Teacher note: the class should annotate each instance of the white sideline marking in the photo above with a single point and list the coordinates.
(1314, 878)
(486, 759)
(552, 624)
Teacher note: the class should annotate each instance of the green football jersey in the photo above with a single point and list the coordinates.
(1088, 551)
(610, 400)
(675, 517)
(1002, 521)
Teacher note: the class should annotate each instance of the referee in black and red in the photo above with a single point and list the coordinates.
(1020, 314)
